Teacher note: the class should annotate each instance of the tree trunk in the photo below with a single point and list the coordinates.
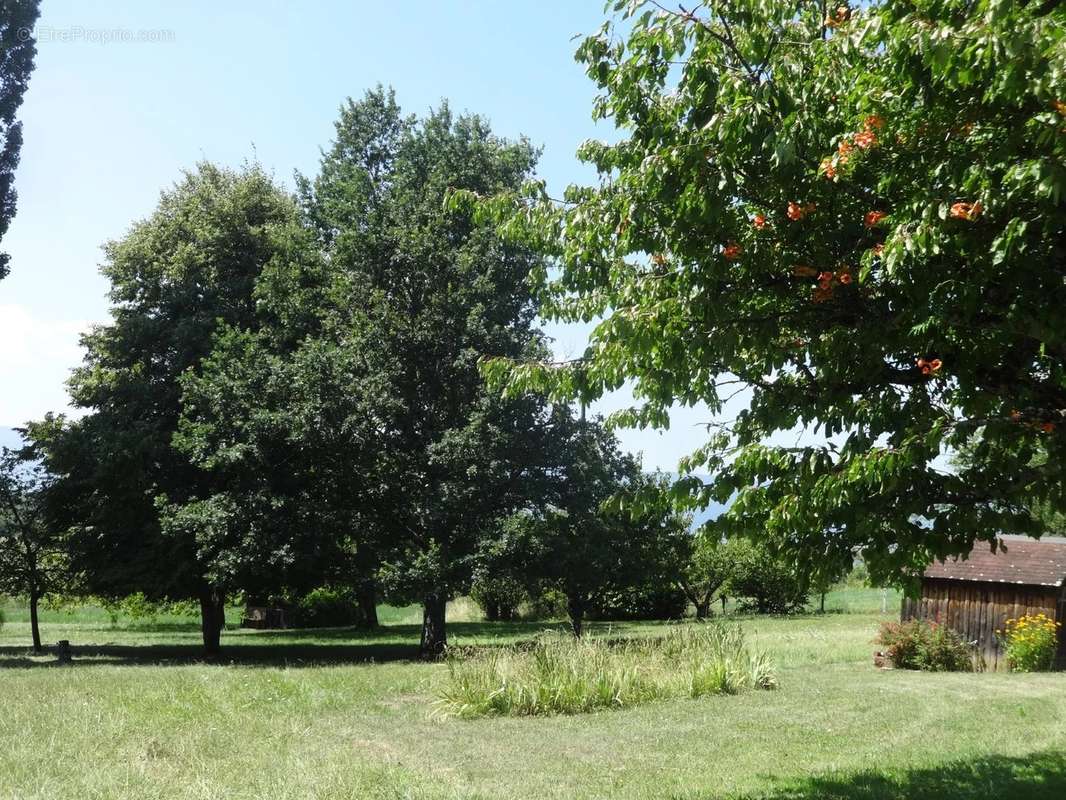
(434, 636)
(35, 627)
(367, 597)
(213, 619)
(576, 609)
(822, 604)
(703, 608)
(723, 604)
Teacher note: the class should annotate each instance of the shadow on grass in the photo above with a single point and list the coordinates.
(1040, 776)
(279, 648)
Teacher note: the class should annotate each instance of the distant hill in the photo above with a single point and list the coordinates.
(713, 511)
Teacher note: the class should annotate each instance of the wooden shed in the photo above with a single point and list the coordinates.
(976, 594)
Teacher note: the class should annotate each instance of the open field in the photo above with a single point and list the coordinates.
(332, 714)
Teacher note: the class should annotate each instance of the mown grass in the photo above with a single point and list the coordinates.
(557, 674)
(338, 714)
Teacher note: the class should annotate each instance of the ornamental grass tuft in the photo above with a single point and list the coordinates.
(556, 674)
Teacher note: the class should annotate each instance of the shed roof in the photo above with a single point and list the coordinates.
(1024, 561)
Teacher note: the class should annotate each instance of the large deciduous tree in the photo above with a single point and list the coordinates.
(17, 51)
(364, 389)
(134, 503)
(859, 214)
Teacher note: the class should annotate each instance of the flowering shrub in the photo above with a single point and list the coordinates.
(917, 644)
(1030, 642)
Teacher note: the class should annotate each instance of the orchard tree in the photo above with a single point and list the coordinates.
(761, 581)
(579, 541)
(653, 541)
(138, 510)
(18, 48)
(856, 215)
(32, 561)
(705, 571)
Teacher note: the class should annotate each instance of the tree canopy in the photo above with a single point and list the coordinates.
(122, 487)
(359, 407)
(855, 215)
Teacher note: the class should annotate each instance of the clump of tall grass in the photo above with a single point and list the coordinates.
(557, 674)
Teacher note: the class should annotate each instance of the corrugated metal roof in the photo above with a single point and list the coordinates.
(1028, 562)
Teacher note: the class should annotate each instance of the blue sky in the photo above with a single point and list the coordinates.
(108, 124)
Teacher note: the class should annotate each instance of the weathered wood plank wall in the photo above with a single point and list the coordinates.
(977, 610)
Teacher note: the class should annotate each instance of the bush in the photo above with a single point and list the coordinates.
(136, 607)
(763, 583)
(498, 597)
(918, 644)
(1030, 643)
(548, 604)
(327, 607)
(558, 674)
(651, 601)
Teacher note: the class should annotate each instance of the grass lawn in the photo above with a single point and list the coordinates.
(333, 714)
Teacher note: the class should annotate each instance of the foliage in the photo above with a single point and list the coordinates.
(919, 644)
(17, 51)
(1030, 642)
(547, 603)
(707, 568)
(358, 408)
(856, 222)
(142, 517)
(136, 607)
(763, 583)
(858, 576)
(560, 675)
(654, 600)
(583, 540)
(499, 596)
(33, 559)
(328, 607)
(655, 539)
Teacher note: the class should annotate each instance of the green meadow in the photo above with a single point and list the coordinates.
(345, 714)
